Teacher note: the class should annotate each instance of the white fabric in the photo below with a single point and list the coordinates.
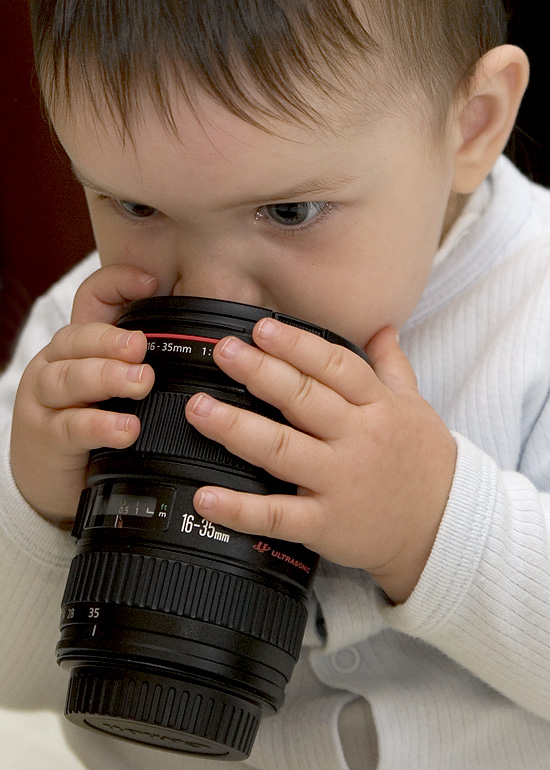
(473, 211)
(458, 677)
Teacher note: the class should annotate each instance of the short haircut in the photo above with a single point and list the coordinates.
(258, 58)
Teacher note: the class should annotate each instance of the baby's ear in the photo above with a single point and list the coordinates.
(486, 116)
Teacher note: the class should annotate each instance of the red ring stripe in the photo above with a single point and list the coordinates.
(193, 338)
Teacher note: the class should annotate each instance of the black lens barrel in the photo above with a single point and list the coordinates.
(180, 634)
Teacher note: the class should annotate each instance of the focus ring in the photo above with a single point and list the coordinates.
(166, 432)
(188, 590)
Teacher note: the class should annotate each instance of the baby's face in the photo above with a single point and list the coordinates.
(339, 227)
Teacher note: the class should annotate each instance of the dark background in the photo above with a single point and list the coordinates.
(44, 226)
(529, 146)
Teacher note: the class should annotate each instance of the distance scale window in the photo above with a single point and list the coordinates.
(123, 505)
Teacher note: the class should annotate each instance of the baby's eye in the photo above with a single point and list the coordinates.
(292, 214)
(138, 210)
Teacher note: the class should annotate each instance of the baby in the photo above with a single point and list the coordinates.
(338, 161)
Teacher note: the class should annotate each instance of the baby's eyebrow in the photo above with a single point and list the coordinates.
(303, 191)
(85, 182)
(300, 192)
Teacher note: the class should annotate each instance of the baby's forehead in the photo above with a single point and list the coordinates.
(325, 109)
(208, 130)
(183, 105)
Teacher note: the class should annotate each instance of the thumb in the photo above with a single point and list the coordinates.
(390, 364)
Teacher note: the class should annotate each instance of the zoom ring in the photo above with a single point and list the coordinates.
(190, 591)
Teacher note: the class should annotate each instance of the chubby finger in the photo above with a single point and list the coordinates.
(86, 381)
(282, 451)
(102, 296)
(389, 362)
(296, 519)
(96, 340)
(77, 430)
(337, 367)
(306, 403)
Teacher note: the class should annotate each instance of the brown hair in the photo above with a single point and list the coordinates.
(254, 57)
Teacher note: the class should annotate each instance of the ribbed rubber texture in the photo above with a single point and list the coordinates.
(188, 590)
(299, 324)
(166, 432)
(161, 712)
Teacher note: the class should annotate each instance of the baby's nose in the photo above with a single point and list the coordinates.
(219, 284)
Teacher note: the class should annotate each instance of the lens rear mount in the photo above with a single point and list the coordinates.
(162, 712)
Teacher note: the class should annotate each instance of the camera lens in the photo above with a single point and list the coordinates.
(180, 634)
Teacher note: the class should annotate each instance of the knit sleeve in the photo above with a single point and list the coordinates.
(34, 560)
(484, 596)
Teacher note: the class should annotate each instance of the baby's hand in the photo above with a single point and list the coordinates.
(372, 460)
(88, 361)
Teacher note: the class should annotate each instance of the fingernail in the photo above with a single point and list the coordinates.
(203, 406)
(207, 500)
(122, 423)
(231, 347)
(267, 328)
(146, 278)
(135, 373)
(124, 339)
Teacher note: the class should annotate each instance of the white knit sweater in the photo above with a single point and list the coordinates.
(458, 677)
